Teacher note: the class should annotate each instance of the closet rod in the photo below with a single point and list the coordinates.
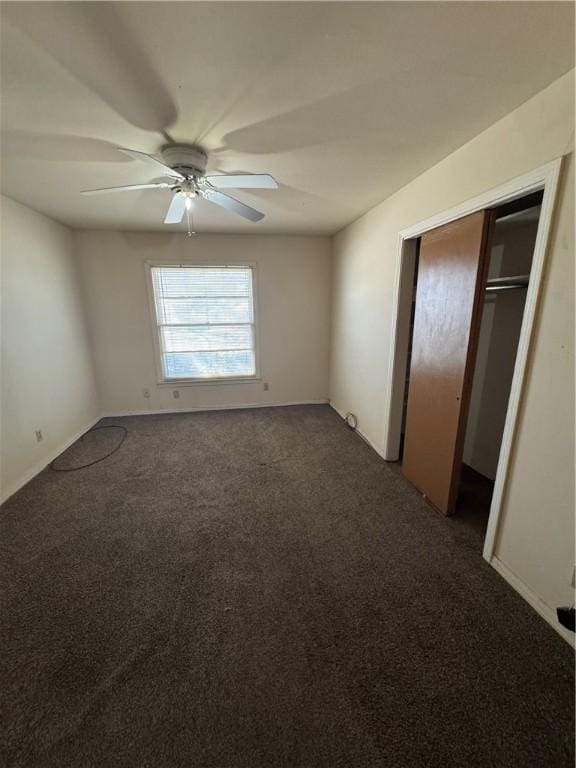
(493, 288)
(507, 283)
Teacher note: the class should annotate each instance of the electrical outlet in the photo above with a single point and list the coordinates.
(176, 393)
(146, 392)
(39, 435)
(266, 386)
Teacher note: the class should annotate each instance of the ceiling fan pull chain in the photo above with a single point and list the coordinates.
(190, 221)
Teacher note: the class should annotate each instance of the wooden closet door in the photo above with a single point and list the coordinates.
(452, 273)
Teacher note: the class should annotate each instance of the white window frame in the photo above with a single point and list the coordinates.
(175, 383)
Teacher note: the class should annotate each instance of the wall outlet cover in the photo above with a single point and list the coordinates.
(146, 392)
(39, 435)
(176, 393)
(266, 386)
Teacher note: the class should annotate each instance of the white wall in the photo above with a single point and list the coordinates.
(46, 368)
(536, 535)
(293, 294)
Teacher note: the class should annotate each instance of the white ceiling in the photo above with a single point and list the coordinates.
(342, 102)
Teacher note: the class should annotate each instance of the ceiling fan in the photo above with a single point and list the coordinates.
(185, 165)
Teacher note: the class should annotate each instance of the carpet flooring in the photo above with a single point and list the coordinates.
(258, 589)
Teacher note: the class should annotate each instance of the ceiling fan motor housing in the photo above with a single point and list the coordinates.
(187, 159)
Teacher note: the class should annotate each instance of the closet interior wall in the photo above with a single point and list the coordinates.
(511, 253)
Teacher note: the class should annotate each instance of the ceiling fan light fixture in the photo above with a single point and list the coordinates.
(185, 164)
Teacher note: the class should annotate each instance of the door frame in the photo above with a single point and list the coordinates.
(544, 178)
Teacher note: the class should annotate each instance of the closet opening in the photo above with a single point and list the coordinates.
(512, 242)
(511, 231)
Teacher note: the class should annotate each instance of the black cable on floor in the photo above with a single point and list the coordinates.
(96, 461)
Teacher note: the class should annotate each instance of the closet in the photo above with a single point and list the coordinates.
(469, 296)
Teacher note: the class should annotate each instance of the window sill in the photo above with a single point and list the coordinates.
(176, 383)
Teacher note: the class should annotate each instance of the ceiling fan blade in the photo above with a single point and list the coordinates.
(176, 209)
(219, 198)
(166, 170)
(244, 181)
(128, 188)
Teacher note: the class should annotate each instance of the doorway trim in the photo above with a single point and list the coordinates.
(544, 178)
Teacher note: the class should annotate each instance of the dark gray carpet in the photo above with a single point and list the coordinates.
(257, 589)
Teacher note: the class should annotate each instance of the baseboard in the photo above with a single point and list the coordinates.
(378, 449)
(39, 466)
(203, 408)
(547, 613)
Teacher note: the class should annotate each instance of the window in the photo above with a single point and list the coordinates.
(205, 322)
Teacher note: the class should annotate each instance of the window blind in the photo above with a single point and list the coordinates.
(205, 321)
